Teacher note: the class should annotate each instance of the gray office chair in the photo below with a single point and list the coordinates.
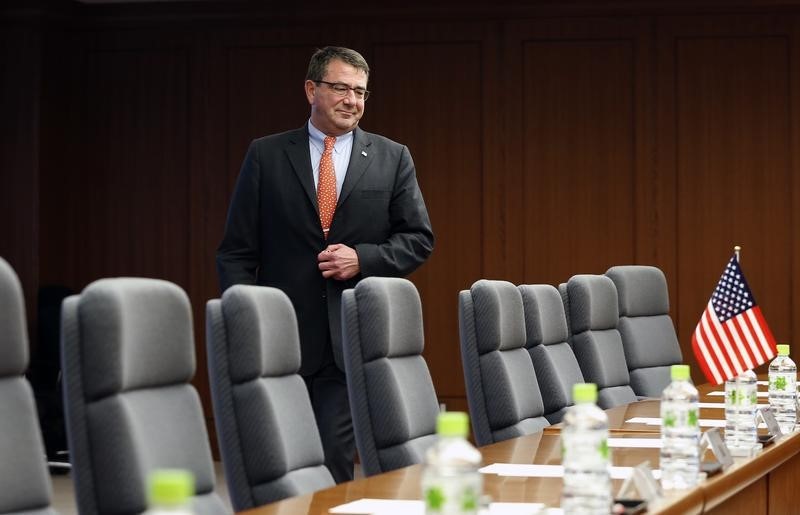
(556, 367)
(267, 434)
(648, 336)
(24, 481)
(595, 340)
(502, 388)
(127, 360)
(390, 389)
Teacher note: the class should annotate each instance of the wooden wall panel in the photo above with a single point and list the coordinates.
(578, 144)
(733, 165)
(579, 209)
(794, 150)
(129, 200)
(435, 111)
(20, 89)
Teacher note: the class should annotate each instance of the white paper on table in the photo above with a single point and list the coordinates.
(722, 394)
(515, 508)
(534, 470)
(380, 506)
(523, 470)
(409, 507)
(636, 443)
(704, 422)
(654, 421)
(720, 405)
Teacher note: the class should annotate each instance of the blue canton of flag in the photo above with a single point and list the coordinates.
(732, 295)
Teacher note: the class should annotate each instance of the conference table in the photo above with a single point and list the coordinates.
(764, 484)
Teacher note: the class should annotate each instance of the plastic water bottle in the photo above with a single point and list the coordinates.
(170, 492)
(783, 389)
(451, 483)
(585, 456)
(680, 432)
(741, 400)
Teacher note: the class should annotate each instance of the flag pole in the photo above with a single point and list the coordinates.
(736, 251)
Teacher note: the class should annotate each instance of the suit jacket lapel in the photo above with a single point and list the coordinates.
(360, 158)
(300, 158)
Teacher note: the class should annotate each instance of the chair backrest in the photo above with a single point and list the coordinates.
(648, 335)
(502, 388)
(596, 342)
(391, 393)
(266, 429)
(556, 367)
(127, 359)
(24, 480)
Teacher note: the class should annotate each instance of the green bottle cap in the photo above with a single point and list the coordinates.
(452, 423)
(170, 487)
(679, 372)
(584, 392)
(783, 349)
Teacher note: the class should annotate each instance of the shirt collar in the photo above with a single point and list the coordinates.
(317, 138)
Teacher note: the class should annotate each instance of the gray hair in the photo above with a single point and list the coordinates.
(322, 57)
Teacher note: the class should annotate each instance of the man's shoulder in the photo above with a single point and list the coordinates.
(280, 138)
(376, 139)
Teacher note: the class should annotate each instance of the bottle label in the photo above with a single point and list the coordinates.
(452, 494)
(743, 396)
(783, 382)
(674, 416)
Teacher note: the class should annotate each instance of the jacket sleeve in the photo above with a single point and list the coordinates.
(411, 238)
(238, 253)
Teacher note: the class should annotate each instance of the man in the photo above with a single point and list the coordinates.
(315, 210)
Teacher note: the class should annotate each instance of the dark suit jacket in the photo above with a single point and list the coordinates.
(273, 234)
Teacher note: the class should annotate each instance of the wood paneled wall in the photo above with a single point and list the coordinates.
(549, 141)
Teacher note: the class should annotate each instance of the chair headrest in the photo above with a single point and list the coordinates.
(642, 290)
(499, 316)
(390, 317)
(262, 333)
(134, 333)
(13, 328)
(592, 303)
(545, 321)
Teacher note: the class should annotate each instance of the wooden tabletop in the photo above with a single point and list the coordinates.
(747, 481)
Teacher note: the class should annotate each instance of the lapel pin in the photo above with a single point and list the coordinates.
(364, 153)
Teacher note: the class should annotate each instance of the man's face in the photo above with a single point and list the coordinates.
(331, 113)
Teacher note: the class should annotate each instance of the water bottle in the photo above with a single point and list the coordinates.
(741, 400)
(584, 455)
(783, 389)
(680, 432)
(170, 492)
(451, 483)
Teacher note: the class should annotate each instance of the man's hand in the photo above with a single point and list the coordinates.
(338, 262)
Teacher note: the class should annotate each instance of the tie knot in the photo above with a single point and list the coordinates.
(329, 142)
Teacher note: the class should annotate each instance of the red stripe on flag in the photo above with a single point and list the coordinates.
(769, 339)
(732, 332)
(742, 343)
(722, 348)
(706, 351)
(701, 361)
(750, 337)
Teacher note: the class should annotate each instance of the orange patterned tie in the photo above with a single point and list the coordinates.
(326, 188)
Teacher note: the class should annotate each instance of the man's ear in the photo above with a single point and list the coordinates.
(311, 88)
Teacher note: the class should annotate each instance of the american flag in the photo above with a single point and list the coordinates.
(732, 335)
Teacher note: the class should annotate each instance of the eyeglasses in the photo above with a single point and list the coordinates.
(341, 89)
